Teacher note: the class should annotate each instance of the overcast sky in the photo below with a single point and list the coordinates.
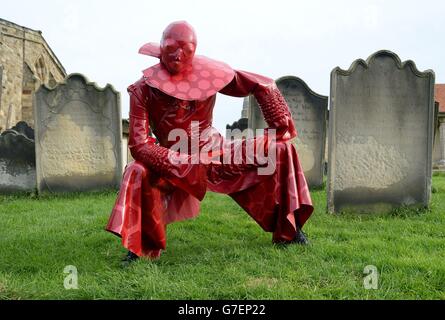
(275, 38)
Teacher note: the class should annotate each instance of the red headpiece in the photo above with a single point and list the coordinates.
(181, 73)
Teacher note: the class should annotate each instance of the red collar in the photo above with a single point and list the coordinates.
(203, 80)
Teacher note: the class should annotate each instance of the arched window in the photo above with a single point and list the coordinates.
(41, 70)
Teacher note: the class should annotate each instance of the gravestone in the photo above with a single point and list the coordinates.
(255, 116)
(78, 136)
(380, 135)
(17, 159)
(1, 91)
(245, 109)
(238, 129)
(23, 128)
(309, 112)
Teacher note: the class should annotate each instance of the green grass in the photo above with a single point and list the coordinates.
(222, 254)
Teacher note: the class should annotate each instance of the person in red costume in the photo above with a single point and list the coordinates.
(164, 185)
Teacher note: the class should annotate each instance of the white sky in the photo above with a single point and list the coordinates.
(307, 39)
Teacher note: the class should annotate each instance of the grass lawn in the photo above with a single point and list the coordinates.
(223, 254)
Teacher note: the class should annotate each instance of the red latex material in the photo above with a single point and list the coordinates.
(178, 46)
(180, 73)
(151, 49)
(205, 78)
(155, 192)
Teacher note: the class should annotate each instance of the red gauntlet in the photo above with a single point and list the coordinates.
(154, 157)
(273, 106)
(276, 111)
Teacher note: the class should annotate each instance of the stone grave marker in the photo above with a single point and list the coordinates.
(78, 136)
(380, 135)
(17, 159)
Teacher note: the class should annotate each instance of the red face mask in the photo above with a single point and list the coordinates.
(178, 46)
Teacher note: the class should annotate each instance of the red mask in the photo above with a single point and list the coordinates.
(178, 45)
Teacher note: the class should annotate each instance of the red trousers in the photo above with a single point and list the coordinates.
(279, 202)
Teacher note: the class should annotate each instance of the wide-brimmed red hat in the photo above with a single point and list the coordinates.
(202, 80)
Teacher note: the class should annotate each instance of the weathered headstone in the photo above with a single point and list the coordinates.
(238, 129)
(309, 111)
(17, 159)
(245, 109)
(23, 128)
(78, 136)
(1, 91)
(380, 135)
(255, 116)
(440, 164)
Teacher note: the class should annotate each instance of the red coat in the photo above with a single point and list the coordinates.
(155, 193)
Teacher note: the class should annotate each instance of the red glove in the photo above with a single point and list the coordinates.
(276, 112)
